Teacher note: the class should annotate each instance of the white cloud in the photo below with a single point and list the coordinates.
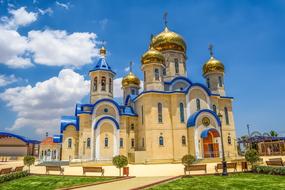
(118, 92)
(48, 11)
(47, 47)
(63, 5)
(13, 48)
(41, 106)
(19, 17)
(74, 49)
(6, 80)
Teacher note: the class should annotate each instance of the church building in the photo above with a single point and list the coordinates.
(170, 117)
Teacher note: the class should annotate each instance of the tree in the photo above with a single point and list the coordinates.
(188, 160)
(28, 161)
(252, 156)
(120, 161)
(273, 133)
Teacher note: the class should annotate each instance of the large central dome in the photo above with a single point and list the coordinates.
(168, 40)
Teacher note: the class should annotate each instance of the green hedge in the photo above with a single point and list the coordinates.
(14, 175)
(269, 170)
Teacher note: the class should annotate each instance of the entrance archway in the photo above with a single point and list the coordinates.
(106, 138)
(210, 145)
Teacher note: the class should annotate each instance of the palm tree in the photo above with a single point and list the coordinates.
(273, 133)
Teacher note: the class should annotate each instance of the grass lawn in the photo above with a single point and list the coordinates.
(231, 182)
(35, 182)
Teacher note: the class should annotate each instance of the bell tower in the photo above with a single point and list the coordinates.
(101, 79)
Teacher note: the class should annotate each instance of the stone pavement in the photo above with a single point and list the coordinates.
(125, 184)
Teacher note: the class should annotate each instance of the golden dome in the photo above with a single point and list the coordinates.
(130, 79)
(152, 56)
(102, 51)
(168, 40)
(213, 65)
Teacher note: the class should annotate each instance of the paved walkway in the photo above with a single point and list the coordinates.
(125, 184)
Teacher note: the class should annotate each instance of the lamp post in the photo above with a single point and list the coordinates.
(224, 163)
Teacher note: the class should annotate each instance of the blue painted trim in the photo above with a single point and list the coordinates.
(179, 78)
(26, 140)
(57, 138)
(130, 97)
(205, 133)
(107, 100)
(192, 119)
(199, 85)
(69, 120)
(107, 118)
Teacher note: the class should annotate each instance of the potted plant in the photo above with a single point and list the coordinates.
(120, 161)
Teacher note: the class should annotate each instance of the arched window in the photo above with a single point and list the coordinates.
(142, 142)
(176, 66)
(110, 85)
(214, 108)
(159, 111)
(88, 144)
(69, 145)
(144, 76)
(220, 81)
(106, 142)
(95, 84)
(121, 142)
(156, 74)
(198, 105)
(161, 141)
(103, 83)
(226, 115)
(229, 140)
(133, 91)
(181, 107)
(208, 82)
(183, 139)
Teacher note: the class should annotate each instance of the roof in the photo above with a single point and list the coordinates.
(102, 65)
(48, 141)
(69, 120)
(257, 139)
(25, 139)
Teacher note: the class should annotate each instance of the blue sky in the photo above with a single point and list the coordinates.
(248, 37)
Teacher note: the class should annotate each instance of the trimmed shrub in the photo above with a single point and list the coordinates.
(269, 170)
(120, 161)
(28, 161)
(12, 176)
(188, 160)
(252, 156)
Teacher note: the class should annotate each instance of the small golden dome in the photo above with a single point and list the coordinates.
(102, 51)
(152, 56)
(168, 40)
(130, 79)
(213, 65)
